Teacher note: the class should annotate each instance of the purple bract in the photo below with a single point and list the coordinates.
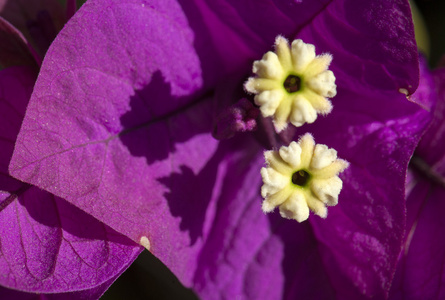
(120, 125)
(420, 269)
(49, 249)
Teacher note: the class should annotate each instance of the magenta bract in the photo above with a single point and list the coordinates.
(120, 123)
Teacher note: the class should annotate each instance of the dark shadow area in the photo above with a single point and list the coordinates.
(433, 15)
(13, 49)
(157, 120)
(189, 194)
(42, 30)
(139, 133)
(13, 294)
(305, 277)
(38, 21)
(148, 278)
(13, 107)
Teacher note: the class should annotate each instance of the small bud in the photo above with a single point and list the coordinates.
(240, 117)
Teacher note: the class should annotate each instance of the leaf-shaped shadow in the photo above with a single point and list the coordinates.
(190, 194)
(151, 126)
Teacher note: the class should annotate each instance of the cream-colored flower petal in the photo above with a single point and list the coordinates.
(283, 53)
(323, 156)
(282, 114)
(302, 112)
(323, 84)
(307, 145)
(276, 199)
(268, 101)
(317, 206)
(295, 207)
(268, 67)
(259, 85)
(302, 55)
(317, 65)
(274, 160)
(318, 102)
(327, 190)
(273, 181)
(291, 154)
(339, 165)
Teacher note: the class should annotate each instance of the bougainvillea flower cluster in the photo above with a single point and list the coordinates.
(120, 123)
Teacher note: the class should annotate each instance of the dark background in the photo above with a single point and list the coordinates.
(433, 12)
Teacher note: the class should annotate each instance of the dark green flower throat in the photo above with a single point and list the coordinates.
(300, 178)
(292, 84)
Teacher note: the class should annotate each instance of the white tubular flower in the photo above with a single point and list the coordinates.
(292, 84)
(301, 177)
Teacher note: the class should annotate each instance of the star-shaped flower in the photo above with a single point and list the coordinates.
(300, 177)
(292, 83)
